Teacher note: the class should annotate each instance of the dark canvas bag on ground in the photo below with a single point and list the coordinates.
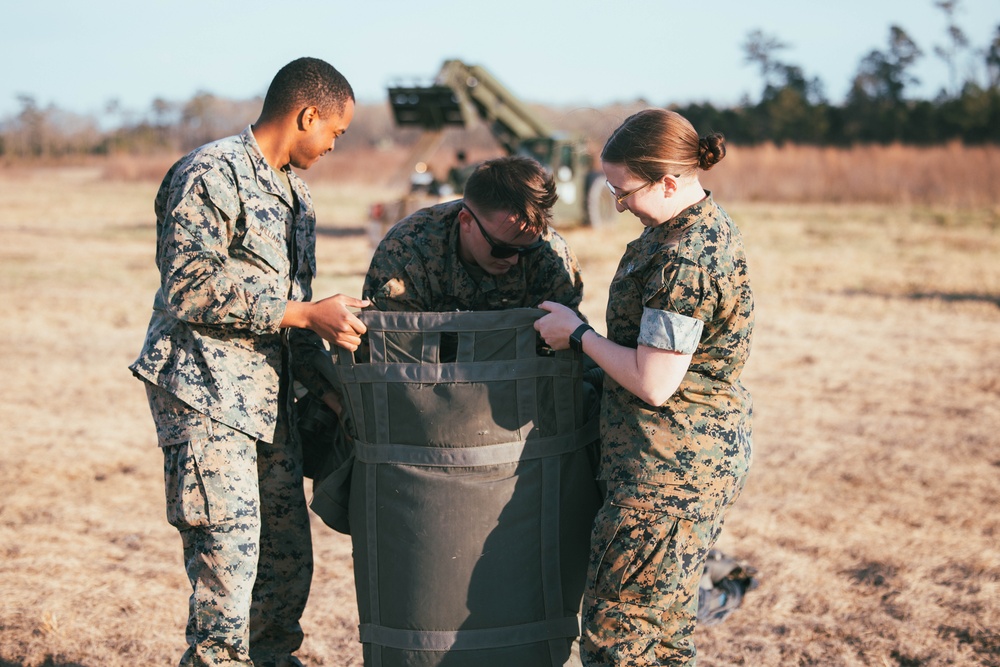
(472, 492)
(725, 582)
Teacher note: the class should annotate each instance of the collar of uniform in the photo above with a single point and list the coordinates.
(683, 220)
(263, 171)
(454, 266)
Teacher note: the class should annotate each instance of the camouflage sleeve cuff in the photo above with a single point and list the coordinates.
(665, 330)
(268, 314)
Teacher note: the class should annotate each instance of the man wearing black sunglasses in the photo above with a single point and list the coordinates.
(503, 250)
(491, 250)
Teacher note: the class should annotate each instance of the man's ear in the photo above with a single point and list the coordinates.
(307, 117)
(464, 219)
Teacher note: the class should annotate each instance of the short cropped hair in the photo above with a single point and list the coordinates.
(307, 82)
(514, 184)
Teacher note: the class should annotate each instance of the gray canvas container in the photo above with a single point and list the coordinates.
(472, 492)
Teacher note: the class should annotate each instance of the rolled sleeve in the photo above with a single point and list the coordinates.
(665, 330)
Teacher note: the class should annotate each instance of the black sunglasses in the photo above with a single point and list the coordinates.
(502, 250)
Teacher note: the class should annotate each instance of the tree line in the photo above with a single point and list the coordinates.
(792, 107)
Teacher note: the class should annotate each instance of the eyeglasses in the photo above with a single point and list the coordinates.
(620, 199)
(502, 250)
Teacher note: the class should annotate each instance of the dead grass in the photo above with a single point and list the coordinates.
(947, 176)
(870, 512)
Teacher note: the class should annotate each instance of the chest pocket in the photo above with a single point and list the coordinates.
(264, 248)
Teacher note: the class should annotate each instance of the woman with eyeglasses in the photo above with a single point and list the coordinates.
(675, 422)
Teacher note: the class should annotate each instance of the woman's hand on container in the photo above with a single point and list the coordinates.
(556, 327)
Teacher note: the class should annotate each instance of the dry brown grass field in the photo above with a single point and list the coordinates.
(871, 511)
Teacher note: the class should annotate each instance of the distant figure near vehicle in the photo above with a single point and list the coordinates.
(460, 172)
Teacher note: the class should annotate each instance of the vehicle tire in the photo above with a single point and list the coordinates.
(601, 211)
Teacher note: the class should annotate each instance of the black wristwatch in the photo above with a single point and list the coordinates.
(576, 338)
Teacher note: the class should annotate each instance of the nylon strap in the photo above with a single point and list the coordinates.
(466, 320)
(504, 452)
(464, 640)
(491, 371)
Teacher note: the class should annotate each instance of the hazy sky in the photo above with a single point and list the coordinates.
(78, 55)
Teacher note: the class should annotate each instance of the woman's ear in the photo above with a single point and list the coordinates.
(669, 185)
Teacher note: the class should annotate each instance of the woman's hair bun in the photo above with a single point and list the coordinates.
(711, 149)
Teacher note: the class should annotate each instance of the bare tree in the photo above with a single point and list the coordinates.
(993, 60)
(957, 43)
(30, 135)
(760, 49)
(884, 75)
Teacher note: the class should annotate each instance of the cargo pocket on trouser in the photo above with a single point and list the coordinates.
(209, 469)
(212, 481)
(639, 607)
(639, 551)
(184, 482)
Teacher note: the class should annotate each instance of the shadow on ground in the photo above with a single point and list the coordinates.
(931, 296)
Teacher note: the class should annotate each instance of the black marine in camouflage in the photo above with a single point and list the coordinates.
(231, 250)
(226, 273)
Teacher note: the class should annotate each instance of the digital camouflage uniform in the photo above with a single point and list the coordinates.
(416, 268)
(673, 470)
(232, 247)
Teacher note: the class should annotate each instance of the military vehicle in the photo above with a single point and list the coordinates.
(462, 95)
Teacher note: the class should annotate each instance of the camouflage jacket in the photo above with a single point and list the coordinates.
(416, 268)
(227, 269)
(692, 265)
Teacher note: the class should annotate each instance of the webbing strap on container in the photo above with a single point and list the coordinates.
(467, 640)
(506, 452)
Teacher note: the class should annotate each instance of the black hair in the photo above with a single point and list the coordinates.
(307, 82)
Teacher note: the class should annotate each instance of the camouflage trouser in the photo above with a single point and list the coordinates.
(240, 507)
(647, 559)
